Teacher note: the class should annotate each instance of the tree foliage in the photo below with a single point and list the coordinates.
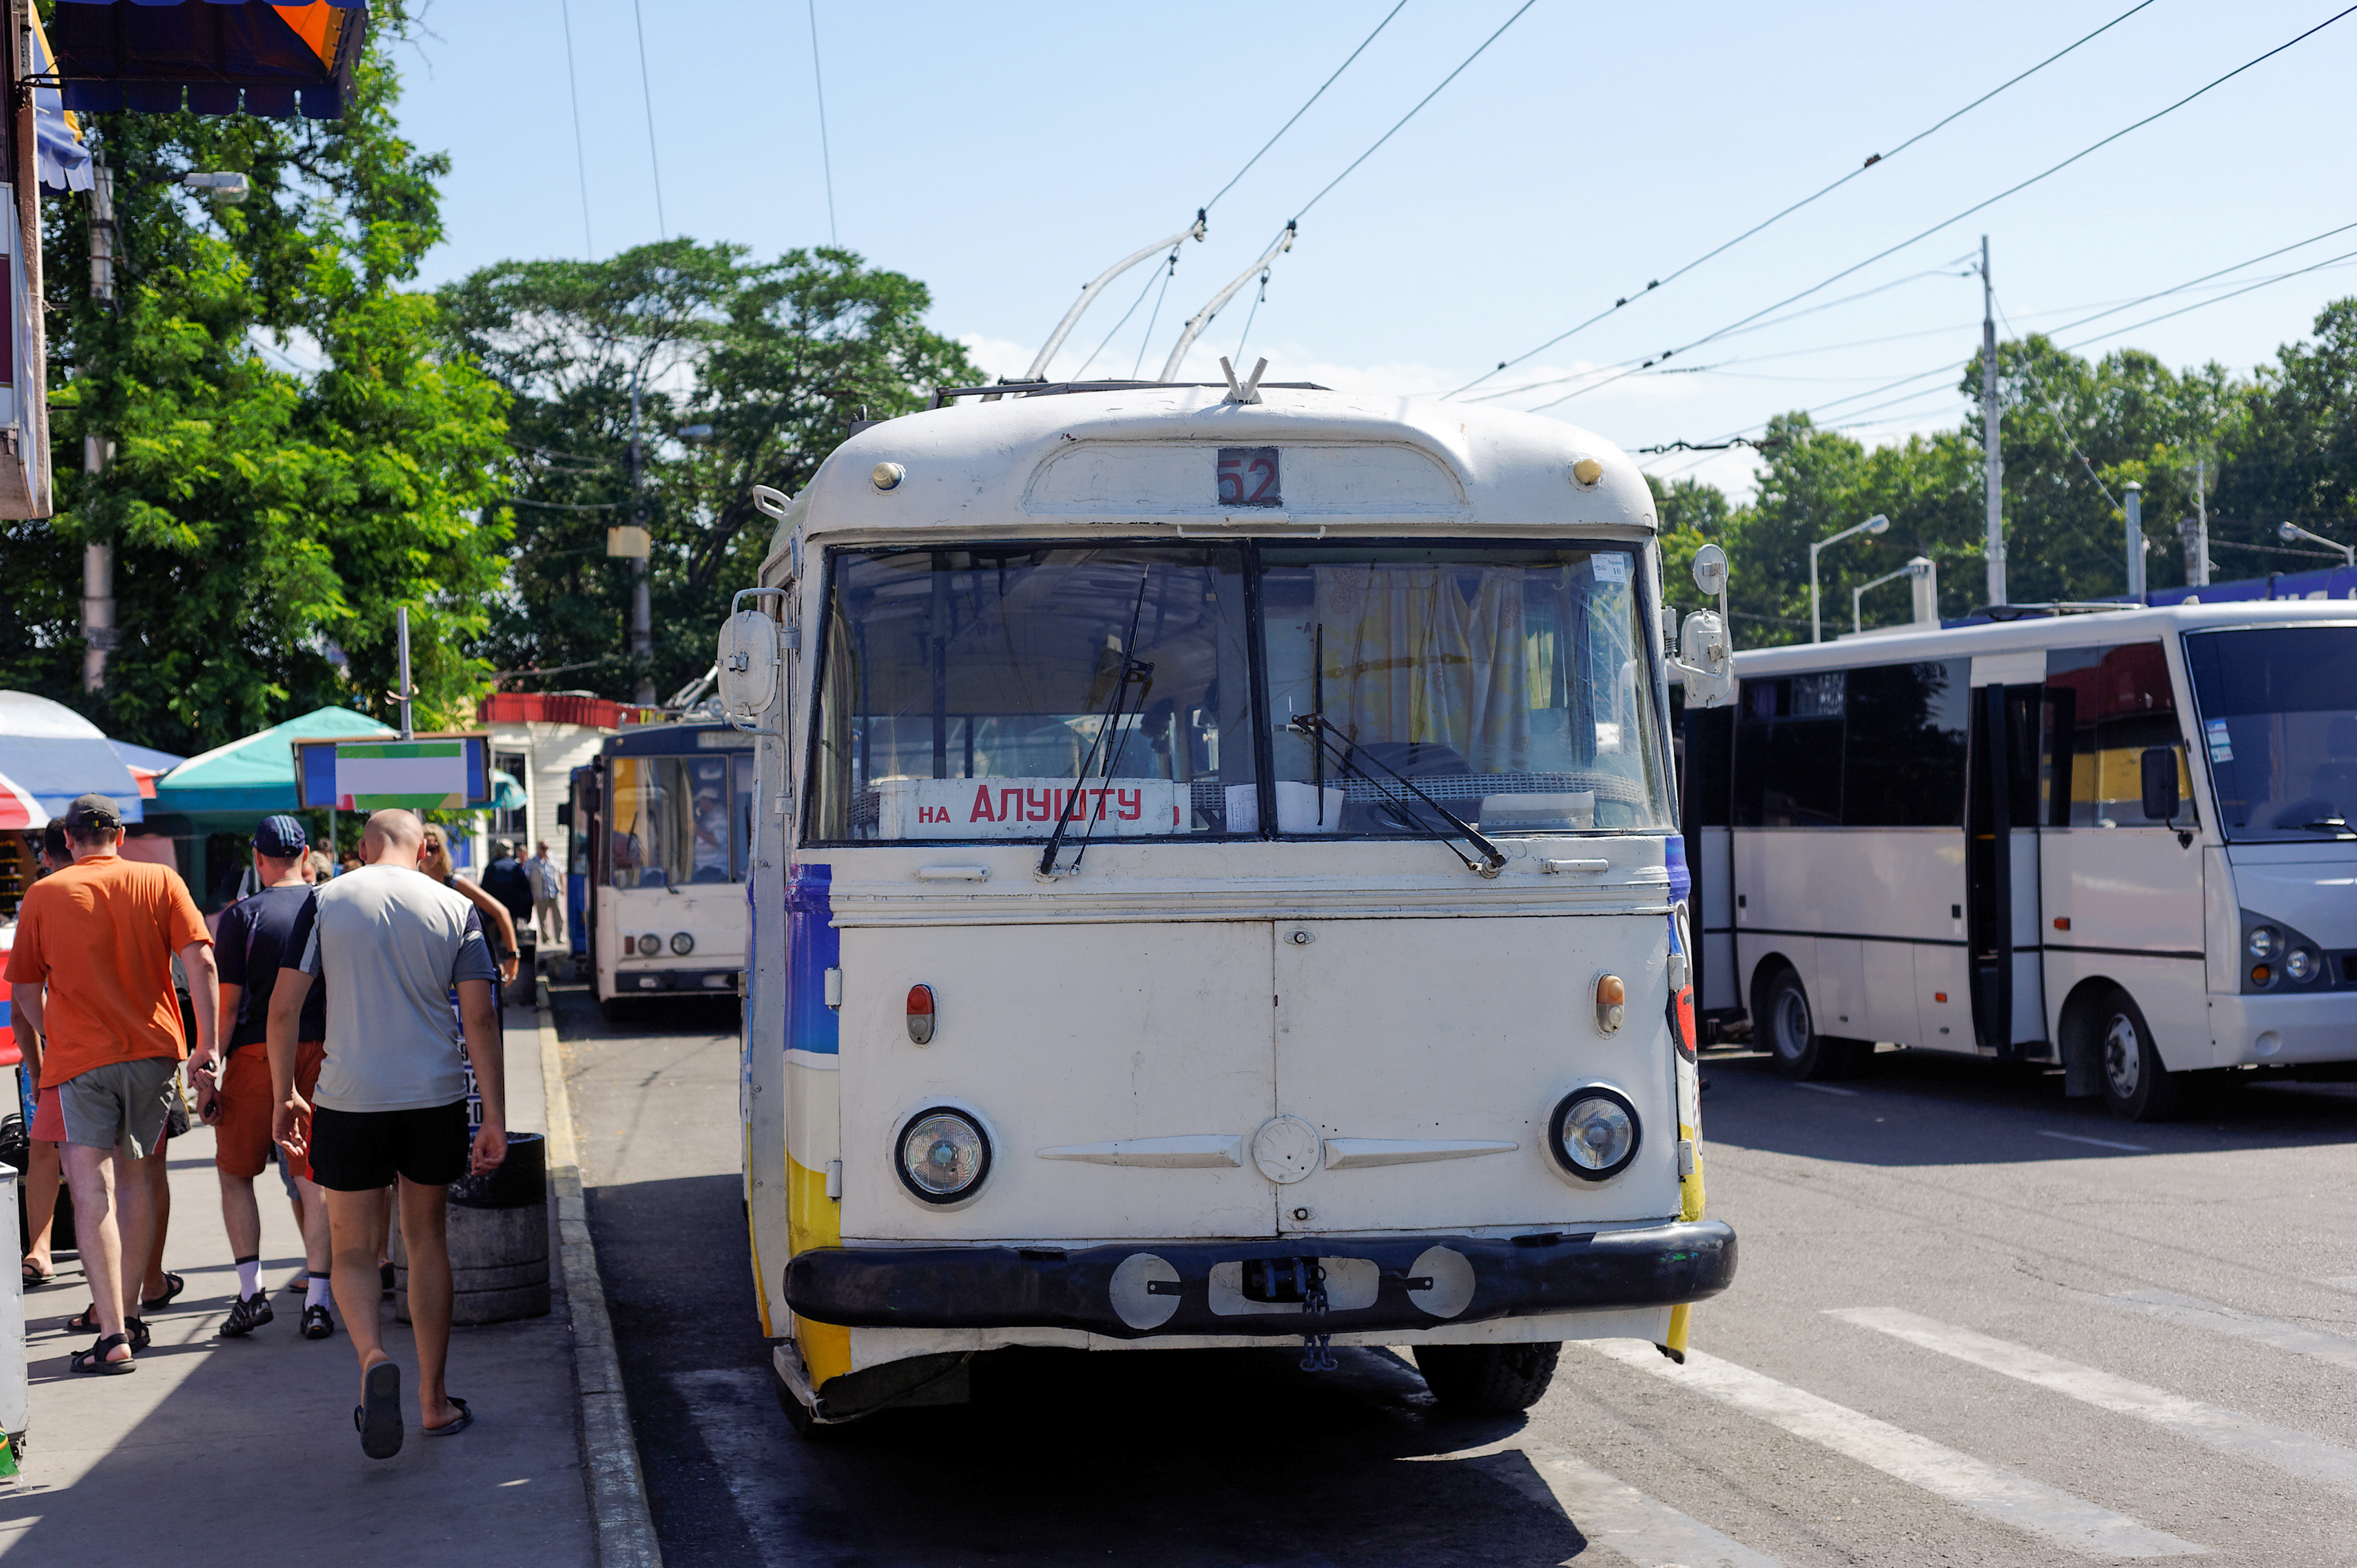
(2281, 444)
(775, 357)
(292, 458)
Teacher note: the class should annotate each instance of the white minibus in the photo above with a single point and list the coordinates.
(1216, 885)
(2110, 838)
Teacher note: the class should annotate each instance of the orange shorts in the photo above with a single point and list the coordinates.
(242, 1136)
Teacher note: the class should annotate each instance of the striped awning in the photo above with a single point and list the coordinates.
(19, 807)
(209, 56)
(49, 754)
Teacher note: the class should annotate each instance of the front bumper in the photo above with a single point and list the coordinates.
(2286, 1027)
(715, 982)
(1143, 1290)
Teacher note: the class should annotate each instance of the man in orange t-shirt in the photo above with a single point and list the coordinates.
(101, 934)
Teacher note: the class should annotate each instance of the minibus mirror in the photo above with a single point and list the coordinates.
(2160, 782)
(1710, 569)
(565, 814)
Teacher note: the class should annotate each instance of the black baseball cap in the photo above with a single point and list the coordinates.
(91, 815)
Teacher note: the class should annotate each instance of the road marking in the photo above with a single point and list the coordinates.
(2099, 1143)
(1987, 1489)
(2341, 1281)
(2195, 1313)
(2229, 1432)
(1608, 1511)
(1827, 1089)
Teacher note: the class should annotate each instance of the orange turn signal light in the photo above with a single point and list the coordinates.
(2261, 975)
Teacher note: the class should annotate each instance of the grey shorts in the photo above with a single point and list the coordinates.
(120, 1106)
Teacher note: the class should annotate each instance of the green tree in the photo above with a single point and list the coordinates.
(293, 459)
(774, 359)
(2292, 453)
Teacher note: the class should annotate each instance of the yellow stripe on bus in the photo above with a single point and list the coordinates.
(815, 1219)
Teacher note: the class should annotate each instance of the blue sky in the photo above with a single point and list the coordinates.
(1005, 154)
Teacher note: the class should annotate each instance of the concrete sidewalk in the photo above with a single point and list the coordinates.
(237, 1451)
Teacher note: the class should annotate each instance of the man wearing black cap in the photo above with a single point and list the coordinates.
(234, 1096)
(101, 934)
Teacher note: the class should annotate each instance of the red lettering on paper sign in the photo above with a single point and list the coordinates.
(1028, 808)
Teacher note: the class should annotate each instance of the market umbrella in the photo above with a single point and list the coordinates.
(49, 754)
(145, 763)
(231, 787)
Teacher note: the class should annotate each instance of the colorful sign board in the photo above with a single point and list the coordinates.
(424, 773)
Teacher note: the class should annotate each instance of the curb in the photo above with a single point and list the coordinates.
(610, 1452)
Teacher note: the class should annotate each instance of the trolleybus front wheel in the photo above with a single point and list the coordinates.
(2136, 1088)
(1488, 1380)
(1792, 1036)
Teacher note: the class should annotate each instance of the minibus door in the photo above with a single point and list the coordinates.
(2001, 889)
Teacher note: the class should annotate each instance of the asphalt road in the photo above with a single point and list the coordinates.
(1974, 1325)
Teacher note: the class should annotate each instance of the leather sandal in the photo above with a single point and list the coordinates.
(94, 1358)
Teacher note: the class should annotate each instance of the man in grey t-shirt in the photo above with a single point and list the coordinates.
(391, 944)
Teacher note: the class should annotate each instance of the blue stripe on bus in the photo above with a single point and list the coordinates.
(813, 946)
(1673, 855)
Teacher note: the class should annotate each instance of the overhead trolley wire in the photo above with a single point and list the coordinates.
(2235, 293)
(1977, 206)
(1814, 196)
(1297, 114)
(646, 90)
(826, 155)
(580, 157)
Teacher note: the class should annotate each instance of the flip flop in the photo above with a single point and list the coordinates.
(173, 1285)
(466, 1419)
(35, 1278)
(378, 1417)
(94, 1358)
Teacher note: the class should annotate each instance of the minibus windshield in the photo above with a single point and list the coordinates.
(961, 691)
(2280, 727)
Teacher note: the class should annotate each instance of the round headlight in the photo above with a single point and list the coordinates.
(1594, 1133)
(681, 943)
(2301, 965)
(2265, 941)
(943, 1155)
(650, 945)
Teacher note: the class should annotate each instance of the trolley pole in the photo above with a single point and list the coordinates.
(1993, 463)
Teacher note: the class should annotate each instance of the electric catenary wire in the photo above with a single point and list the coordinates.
(580, 157)
(1821, 192)
(1950, 222)
(1297, 114)
(1126, 315)
(646, 88)
(825, 155)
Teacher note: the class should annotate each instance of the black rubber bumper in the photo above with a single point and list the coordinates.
(1145, 1290)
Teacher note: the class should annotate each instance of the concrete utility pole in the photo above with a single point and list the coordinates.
(1994, 471)
(2134, 499)
(643, 637)
(2197, 529)
(98, 559)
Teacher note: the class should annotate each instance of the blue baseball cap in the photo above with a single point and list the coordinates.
(281, 838)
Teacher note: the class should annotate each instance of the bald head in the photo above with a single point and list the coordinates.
(392, 838)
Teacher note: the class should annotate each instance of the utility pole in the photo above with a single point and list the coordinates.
(1994, 464)
(98, 558)
(2197, 529)
(2134, 499)
(643, 639)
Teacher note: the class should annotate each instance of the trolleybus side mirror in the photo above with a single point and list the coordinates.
(748, 664)
(1706, 652)
(1710, 570)
(2160, 799)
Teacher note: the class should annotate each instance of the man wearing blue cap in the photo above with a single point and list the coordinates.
(234, 1095)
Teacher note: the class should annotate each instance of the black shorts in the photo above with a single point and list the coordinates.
(359, 1151)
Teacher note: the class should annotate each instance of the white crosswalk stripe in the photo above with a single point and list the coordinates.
(1609, 1511)
(2229, 1432)
(1987, 1490)
(2195, 1313)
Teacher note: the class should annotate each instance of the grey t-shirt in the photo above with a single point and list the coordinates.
(391, 943)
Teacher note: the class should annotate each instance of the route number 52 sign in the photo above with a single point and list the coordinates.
(1248, 477)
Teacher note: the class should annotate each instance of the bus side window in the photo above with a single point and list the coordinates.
(1903, 756)
(1787, 747)
(2106, 706)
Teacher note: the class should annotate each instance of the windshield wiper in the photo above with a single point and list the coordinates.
(1347, 759)
(1133, 671)
(2339, 826)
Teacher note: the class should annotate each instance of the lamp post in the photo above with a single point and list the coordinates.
(1874, 524)
(2291, 531)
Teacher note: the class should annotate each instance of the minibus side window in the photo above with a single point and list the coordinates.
(1788, 751)
(2105, 704)
(1903, 747)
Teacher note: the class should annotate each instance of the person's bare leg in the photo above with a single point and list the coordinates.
(43, 1172)
(91, 1173)
(135, 1194)
(426, 1237)
(241, 1215)
(311, 1214)
(159, 1188)
(355, 1220)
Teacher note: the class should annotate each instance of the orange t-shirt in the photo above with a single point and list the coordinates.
(102, 933)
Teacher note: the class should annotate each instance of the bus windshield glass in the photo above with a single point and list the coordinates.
(965, 691)
(1512, 684)
(2279, 728)
(677, 821)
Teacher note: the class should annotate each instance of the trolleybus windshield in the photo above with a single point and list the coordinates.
(962, 691)
(2280, 727)
(677, 821)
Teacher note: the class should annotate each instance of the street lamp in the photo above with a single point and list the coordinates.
(2291, 531)
(1874, 524)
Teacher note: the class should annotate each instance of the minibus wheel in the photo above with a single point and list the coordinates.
(1789, 1032)
(2136, 1088)
(1488, 1380)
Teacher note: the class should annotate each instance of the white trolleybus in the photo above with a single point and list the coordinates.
(662, 825)
(2109, 837)
(1217, 885)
